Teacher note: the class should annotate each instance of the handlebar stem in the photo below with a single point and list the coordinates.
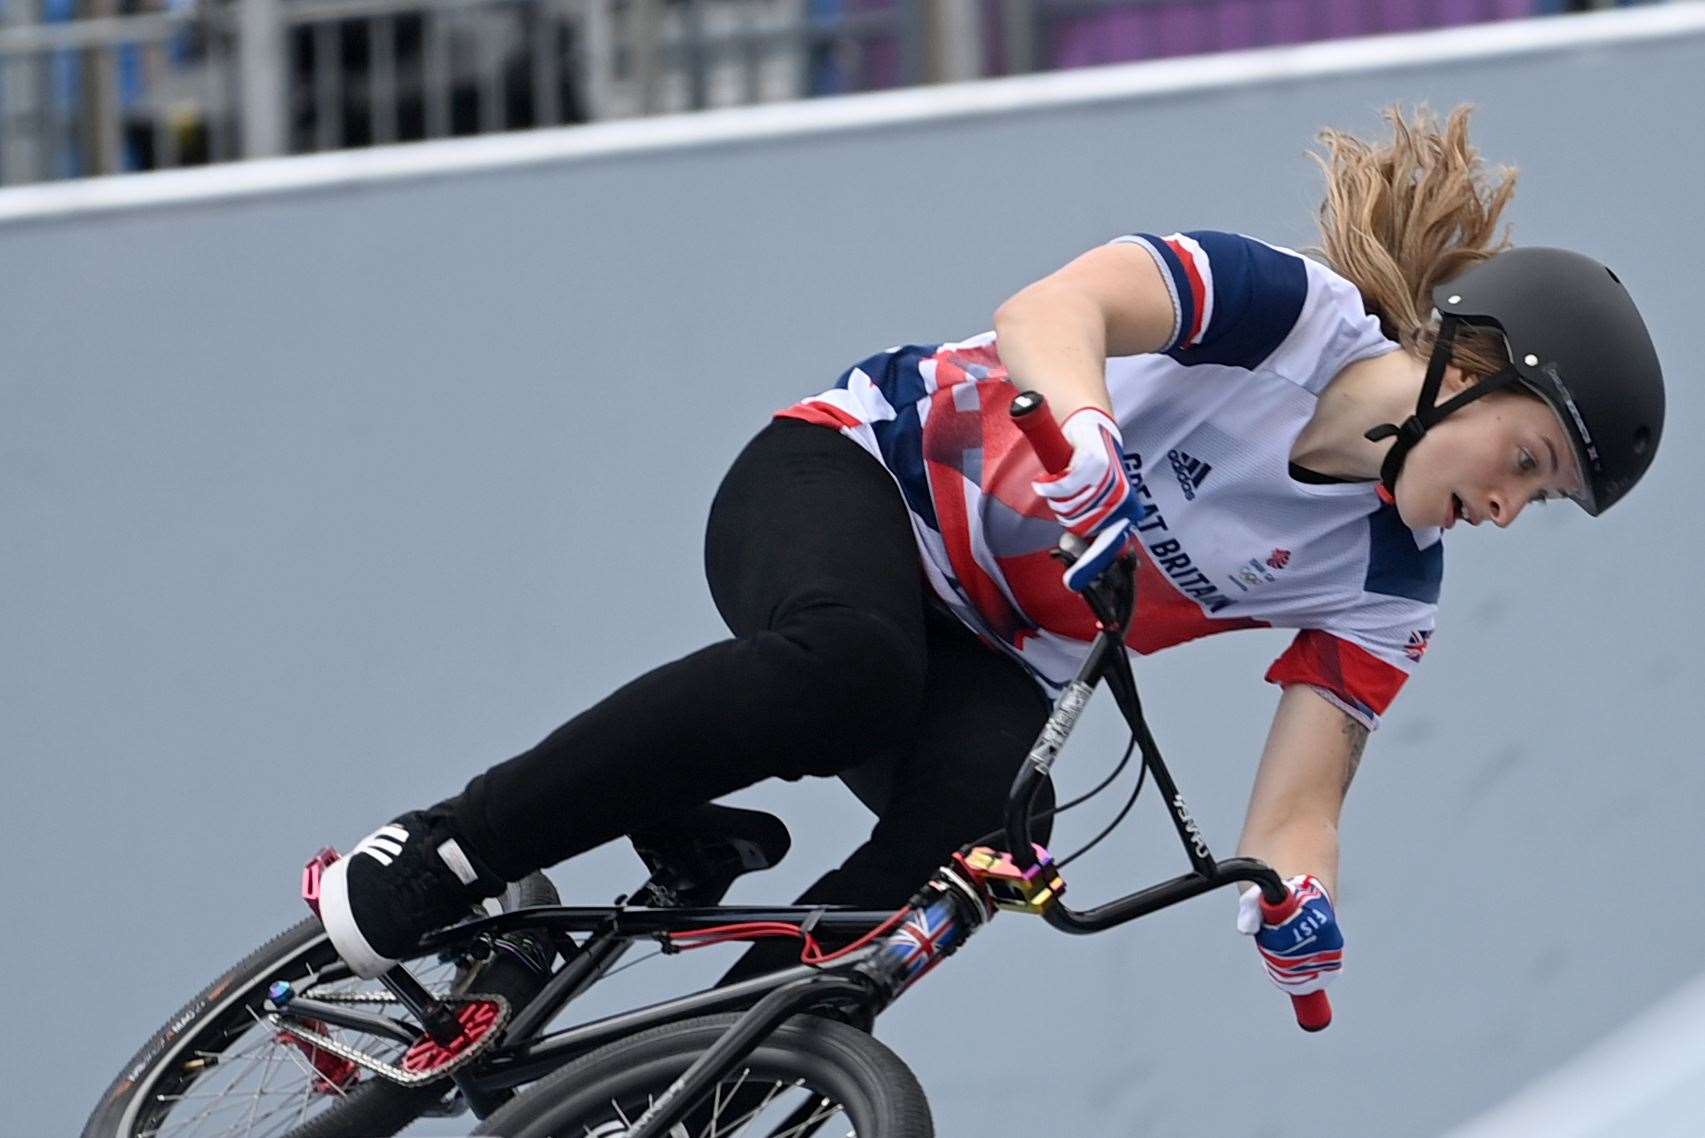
(1167, 893)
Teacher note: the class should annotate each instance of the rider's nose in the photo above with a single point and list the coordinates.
(1502, 511)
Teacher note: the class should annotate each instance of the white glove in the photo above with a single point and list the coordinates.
(1092, 497)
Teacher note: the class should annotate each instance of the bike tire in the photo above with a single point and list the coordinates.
(373, 1108)
(601, 1092)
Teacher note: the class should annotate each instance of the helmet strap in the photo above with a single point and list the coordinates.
(1428, 412)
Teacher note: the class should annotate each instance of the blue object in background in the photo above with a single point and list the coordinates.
(824, 74)
(65, 81)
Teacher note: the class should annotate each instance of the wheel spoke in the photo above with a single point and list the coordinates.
(225, 1103)
(745, 1119)
(716, 1111)
(827, 1109)
(255, 1104)
(249, 1083)
(799, 1121)
(302, 1111)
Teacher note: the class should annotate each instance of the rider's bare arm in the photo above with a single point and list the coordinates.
(1311, 755)
(1056, 334)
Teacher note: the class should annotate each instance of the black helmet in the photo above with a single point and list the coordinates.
(1576, 340)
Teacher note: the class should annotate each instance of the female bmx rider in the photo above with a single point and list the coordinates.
(1285, 438)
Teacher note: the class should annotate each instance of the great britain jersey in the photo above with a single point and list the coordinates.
(1229, 539)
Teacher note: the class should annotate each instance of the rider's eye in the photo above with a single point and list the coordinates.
(1527, 464)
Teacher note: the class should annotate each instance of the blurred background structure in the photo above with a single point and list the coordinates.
(109, 86)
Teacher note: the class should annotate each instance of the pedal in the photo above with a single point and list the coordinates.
(311, 874)
(1016, 890)
(695, 856)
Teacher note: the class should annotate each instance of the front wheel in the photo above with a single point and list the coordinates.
(811, 1073)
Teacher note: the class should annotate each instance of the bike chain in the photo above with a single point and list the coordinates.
(350, 997)
(389, 1071)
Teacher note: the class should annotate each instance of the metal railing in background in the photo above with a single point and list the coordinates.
(222, 80)
(361, 72)
(103, 94)
(212, 80)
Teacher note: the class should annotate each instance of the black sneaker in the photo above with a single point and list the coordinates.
(400, 882)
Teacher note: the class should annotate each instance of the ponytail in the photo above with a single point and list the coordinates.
(1401, 216)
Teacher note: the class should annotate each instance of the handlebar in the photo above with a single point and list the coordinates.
(1029, 412)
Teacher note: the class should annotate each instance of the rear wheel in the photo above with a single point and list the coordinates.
(810, 1076)
(219, 1070)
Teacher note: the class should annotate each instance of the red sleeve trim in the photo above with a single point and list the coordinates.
(1198, 292)
(1350, 672)
(823, 414)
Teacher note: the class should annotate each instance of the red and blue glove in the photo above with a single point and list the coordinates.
(1304, 952)
(1093, 496)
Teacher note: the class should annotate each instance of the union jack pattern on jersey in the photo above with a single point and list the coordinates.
(1258, 332)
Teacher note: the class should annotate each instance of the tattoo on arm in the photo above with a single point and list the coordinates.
(1357, 736)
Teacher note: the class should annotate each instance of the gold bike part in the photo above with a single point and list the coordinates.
(1016, 890)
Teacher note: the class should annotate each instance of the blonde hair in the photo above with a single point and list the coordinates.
(1401, 216)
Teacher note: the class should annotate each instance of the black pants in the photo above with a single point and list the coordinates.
(839, 665)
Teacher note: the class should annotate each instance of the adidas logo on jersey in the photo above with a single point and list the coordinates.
(1191, 472)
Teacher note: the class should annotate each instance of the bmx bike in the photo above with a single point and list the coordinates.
(288, 1043)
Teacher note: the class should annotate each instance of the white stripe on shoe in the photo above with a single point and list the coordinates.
(452, 855)
(383, 844)
(339, 920)
(378, 853)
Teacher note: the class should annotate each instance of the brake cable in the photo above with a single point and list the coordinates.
(1054, 811)
(1142, 777)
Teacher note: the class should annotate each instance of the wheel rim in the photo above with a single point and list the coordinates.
(237, 1076)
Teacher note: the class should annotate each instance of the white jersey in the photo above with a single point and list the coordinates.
(1230, 538)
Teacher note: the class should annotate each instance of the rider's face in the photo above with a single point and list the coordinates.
(1485, 462)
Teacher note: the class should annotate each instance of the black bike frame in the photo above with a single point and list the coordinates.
(612, 931)
(877, 979)
(950, 907)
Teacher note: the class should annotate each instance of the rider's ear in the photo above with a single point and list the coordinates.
(1455, 381)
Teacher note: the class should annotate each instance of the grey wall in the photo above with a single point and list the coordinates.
(315, 504)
